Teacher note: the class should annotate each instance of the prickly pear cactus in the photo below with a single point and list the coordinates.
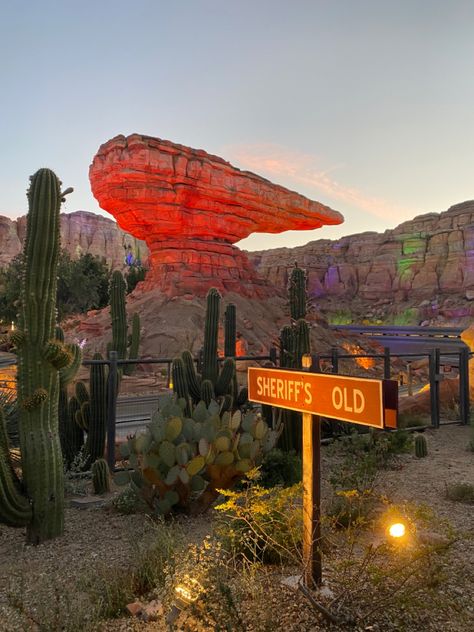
(38, 501)
(181, 461)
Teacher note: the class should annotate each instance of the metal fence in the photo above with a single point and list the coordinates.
(136, 411)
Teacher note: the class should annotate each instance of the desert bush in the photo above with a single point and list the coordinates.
(413, 420)
(460, 492)
(261, 524)
(280, 468)
(374, 576)
(362, 455)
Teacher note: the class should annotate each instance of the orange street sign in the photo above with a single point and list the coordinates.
(353, 399)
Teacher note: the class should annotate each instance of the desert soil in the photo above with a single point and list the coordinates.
(36, 579)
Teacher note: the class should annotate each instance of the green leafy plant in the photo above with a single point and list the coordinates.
(262, 524)
(280, 468)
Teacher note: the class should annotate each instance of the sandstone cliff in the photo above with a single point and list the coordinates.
(81, 232)
(426, 263)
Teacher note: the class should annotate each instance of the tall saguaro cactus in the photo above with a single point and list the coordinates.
(120, 338)
(294, 343)
(37, 501)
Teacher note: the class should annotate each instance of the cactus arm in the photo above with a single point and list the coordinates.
(224, 381)
(95, 444)
(297, 293)
(118, 314)
(134, 344)
(230, 331)
(210, 365)
(15, 509)
(191, 376)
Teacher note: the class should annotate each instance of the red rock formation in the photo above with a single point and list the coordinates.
(191, 207)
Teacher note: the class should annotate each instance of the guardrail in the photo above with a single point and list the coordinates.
(402, 330)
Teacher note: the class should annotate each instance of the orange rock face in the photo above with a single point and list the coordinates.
(190, 208)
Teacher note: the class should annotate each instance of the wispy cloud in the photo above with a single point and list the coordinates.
(275, 161)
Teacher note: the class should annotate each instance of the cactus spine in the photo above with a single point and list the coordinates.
(100, 477)
(421, 448)
(40, 356)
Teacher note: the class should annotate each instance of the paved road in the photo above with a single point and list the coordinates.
(134, 413)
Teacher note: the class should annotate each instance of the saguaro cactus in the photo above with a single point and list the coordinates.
(37, 501)
(211, 328)
(120, 337)
(294, 343)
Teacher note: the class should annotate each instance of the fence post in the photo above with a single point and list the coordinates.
(112, 382)
(386, 363)
(409, 379)
(335, 360)
(434, 386)
(464, 403)
(273, 355)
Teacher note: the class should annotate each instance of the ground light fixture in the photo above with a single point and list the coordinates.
(186, 593)
(397, 530)
(306, 361)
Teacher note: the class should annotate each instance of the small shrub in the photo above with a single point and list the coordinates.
(128, 502)
(460, 492)
(261, 524)
(280, 468)
(362, 455)
(413, 420)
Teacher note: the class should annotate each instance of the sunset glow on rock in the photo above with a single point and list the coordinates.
(191, 207)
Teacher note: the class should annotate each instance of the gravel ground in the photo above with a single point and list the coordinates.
(35, 580)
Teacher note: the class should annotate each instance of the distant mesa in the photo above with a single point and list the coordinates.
(190, 208)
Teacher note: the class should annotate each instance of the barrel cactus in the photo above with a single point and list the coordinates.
(100, 477)
(181, 462)
(421, 448)
(37, 501)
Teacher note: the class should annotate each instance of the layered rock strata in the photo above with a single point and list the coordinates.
(431, 255)
(81, 232)
(191, 207)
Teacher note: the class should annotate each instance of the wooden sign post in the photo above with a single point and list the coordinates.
(356, 400)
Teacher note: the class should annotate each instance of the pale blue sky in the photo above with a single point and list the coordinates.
(364, 105)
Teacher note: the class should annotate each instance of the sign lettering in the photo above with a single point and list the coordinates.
(356, 400)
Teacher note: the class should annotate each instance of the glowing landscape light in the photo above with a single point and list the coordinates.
(397, 530)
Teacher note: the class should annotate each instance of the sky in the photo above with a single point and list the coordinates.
(364, 105)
